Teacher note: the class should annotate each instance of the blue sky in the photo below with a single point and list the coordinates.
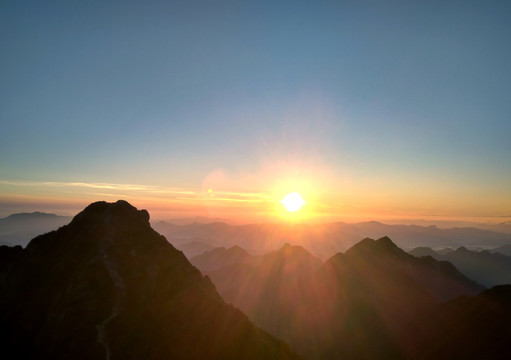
(389, 98)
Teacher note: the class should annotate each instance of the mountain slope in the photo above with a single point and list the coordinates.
(108, 286)
(465, 328)
(368, 295)
(486, 268)
(373, 292)
(272, 290)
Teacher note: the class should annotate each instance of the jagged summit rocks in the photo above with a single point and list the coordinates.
(107, 286)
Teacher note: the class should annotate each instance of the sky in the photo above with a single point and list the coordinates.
(369, 109)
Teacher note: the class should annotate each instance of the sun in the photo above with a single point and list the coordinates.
(293, 202)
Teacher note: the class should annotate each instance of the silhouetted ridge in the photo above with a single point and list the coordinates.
(386, 243)
(290, 257)
(106, 222)
(114, 214)
(501, 293)
(423, 251)
(108, 286)
(238, 249)
(382, 246)
(32, 215)
(19, 229)
(486, 268)
(293, 250)
(221, 257)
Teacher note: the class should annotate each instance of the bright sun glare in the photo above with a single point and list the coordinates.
(293, 202)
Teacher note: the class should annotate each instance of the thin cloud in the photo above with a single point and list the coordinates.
(136, 190)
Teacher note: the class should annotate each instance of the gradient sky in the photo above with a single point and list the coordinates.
(370, 109)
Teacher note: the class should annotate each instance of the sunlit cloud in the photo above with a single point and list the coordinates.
(150, 196)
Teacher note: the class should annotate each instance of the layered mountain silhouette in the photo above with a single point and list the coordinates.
(194, 247)
(19, 229)
(270, 289)
(107, 286)
(486, 268)
(504, 250)
(376, 292)
(324, 240)
(357, 305)
(222, 257)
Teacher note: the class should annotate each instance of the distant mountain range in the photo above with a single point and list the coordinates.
(333, 310)
(500, 227)
(325, 240)
(486, 268)
(19, 229)
(195, 220)
(107, 286)
(222, 257)
(504, 250)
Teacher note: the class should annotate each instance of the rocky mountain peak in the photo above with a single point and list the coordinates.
(112, 211)
(106, 276)
(380, 247)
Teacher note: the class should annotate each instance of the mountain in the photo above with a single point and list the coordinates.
(444, 251)
(440, 279)
(465, 328)
(503, 227)
(486, 268)
(367, 295)
(19, 229)
(504, 250)
(108, 286)
(424, 251)
(325, 240)
(222, 257)
(193, 247)
(270, 289)
(373, 291)
(322, 240)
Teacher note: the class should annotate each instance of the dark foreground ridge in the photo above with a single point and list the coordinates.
(107, 286)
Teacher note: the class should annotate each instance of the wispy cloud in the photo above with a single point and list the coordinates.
(130, 190)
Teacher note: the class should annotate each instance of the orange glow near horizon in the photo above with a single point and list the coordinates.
(241, 202)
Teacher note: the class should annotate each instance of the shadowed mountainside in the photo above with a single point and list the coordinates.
(108, 286)
(465, 328)
(366, 296)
